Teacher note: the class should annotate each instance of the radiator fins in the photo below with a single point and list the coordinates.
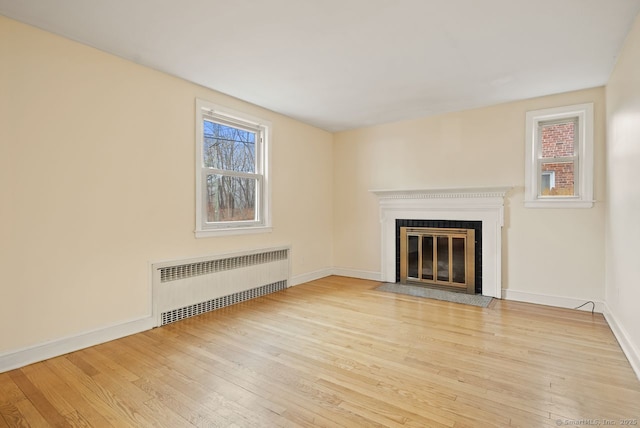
(189, 270)
(220, 302)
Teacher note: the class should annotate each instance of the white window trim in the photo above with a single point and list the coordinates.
(204, 229)
(584, 175)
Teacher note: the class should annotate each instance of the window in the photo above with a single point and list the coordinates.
(559, 157)
(232, 188)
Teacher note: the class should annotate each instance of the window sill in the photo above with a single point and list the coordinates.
(558, 203)
(210, 233)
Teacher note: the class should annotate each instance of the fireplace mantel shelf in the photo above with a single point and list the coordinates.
(469, 192)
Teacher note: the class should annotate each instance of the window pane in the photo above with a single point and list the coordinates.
(547, 182)
(558, 139)
(427, 257)
(412, 257)
(231, 198)
(229, 148)
(458, 255)
(443, 258)
(559, 177)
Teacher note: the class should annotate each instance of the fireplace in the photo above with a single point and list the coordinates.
(484, 206)
(438, 257)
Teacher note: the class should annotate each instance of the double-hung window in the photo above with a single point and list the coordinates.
(232, 193)
(559, 157)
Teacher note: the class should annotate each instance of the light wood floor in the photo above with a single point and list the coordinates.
(335, 352)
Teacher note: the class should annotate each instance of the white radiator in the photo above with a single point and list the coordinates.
(185, 288)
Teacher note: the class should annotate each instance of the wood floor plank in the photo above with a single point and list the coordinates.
(336, 352)
(38, 399)
(76, 420)
(52, 388)
(32, 416)
(10, 395)
(12, 416)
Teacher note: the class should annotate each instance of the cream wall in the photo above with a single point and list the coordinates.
(97, 181)
(623, 208)
(547, 252)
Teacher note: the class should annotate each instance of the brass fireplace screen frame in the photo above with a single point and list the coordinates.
(435, 262)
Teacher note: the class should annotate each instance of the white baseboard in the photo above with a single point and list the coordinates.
(361, 274)
(43, 351)
(311, 276)
(557, 301)
(630, 350)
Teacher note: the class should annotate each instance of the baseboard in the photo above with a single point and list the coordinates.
(361, 274)
(557, 301)
(311, 276)
(44, 351)
(630, 350)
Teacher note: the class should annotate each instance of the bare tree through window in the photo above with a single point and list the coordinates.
(230, 152)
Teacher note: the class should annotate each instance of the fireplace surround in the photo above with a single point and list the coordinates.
(485, 205)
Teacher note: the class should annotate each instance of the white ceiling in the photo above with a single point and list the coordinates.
(343, 64)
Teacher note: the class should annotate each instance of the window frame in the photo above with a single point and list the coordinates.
(206, 110)
(583, 159)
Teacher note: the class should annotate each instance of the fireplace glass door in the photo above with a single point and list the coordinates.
(440, 257)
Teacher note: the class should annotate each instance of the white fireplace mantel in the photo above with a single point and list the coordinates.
(471, 204)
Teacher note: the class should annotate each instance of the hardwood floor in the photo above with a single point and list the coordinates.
(335, 352)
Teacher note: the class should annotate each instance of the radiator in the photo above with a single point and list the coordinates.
(186, 288)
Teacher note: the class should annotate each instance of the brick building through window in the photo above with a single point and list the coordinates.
(558, 142)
